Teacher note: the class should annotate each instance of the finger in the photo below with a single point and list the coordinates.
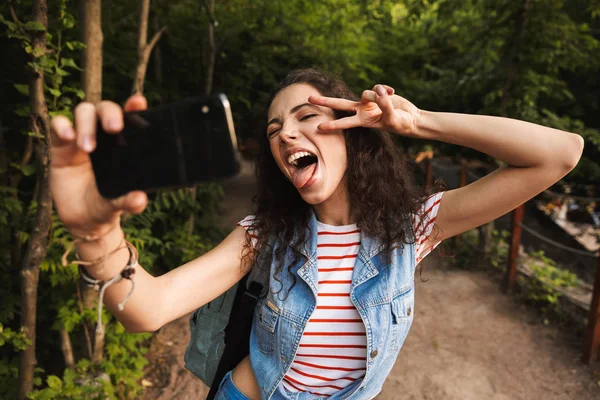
(368, 96)
(111, 116)
(342, 123)
(85, 126)
(387, 109)
(62, 130)
(137, 102)
(331, 102)
(133, 202)
(390, 90)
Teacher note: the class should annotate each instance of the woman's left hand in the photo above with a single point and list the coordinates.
(378, 108)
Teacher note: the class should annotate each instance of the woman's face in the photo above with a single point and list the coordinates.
(314, 161)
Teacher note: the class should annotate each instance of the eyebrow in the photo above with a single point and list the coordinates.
(293, 110)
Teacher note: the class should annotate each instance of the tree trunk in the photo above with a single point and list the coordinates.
(144, 48)
(158, 73)
(38, 239)
(66, 348)
(92, 56)
(209, 6)
(91, 20)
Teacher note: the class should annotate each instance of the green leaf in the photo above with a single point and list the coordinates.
(46, 394)
(78, 92)
(28, 170)
(22, 88)
(38, 52)
(35, 135)
(75, 45)
(11, 25)
(68, 21)
(35, 66)
(62, 72)
(34, 26)
(69, 62)
(54, 92)
(54, 382)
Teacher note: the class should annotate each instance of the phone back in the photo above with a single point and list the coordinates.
(175, 145)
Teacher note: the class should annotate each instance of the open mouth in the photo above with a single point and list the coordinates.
(304, 166)
(302, 159)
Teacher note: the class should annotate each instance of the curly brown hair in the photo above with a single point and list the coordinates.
(383, 197)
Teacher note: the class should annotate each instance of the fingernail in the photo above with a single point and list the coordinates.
(113, 125)
(68, 133)
(88, 144)
(381, 91)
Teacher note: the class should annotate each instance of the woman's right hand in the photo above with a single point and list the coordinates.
(78, 203)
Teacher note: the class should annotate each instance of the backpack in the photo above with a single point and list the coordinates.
(220, 330)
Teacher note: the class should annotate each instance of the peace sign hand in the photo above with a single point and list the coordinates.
(378, 108)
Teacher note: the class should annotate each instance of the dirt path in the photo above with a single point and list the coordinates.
(468, 341)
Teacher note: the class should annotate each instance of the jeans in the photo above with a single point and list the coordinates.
(228, 390)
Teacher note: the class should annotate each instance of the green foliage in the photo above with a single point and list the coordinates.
(125, 360)
(9, 370)
(541, 289)
(160, 234)
(463, 252)
(466, 252)
(471, 56)
(499, 250)
(547, 278)
(168, 214)
(75, 384)
(17, 340)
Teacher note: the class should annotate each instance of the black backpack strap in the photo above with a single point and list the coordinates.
(237, 333)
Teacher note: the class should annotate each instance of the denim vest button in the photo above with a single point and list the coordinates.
(374, 353)
(409, 311)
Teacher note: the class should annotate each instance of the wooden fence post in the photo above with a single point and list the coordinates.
(592, 337)
(513, 254)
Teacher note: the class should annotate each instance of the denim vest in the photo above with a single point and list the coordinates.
(382, 293)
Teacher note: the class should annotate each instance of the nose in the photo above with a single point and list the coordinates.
(289, 134)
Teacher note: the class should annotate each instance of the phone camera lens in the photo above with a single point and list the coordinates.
(205, 109)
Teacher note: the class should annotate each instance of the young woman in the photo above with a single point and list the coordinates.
(338, 226)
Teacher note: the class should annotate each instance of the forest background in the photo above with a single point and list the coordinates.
(536, 60)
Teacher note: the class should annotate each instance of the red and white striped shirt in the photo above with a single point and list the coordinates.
(333, 349)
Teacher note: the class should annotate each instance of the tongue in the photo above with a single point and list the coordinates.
(301, 176)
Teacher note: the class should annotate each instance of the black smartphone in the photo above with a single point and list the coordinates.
(169, 146)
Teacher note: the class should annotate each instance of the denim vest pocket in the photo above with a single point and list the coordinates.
(268, 316)
(402, 314)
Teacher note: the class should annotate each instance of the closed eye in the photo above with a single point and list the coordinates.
(307, 116)
(272, 133)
